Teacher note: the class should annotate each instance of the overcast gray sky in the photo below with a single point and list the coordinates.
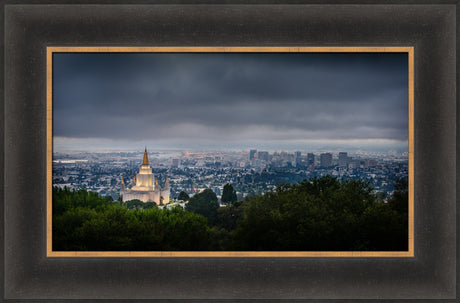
(229, 100)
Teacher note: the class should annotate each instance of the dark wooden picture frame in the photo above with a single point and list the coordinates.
(30, 29)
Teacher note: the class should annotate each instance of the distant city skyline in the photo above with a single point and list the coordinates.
(269, 101)
(85, 145)
(110, 172)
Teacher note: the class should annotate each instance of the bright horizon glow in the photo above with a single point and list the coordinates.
(61, 144)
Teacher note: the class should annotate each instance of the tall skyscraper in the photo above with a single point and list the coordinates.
(310, 159)
(262, 155)
(326, 160)
(298, 158)
(343, 159)
(252, 154)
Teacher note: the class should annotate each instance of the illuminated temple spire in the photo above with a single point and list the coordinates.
(167, 183)
(145, 186)
(146, 159)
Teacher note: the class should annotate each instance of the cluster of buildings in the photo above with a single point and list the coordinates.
(162, 176)
(310, 160)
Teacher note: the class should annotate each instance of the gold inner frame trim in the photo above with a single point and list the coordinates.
(292, 49)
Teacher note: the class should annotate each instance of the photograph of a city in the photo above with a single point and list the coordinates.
(230, 152)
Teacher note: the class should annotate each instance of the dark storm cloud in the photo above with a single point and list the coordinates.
(231, 97)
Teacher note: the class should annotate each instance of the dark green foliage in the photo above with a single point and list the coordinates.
(384, 229)
(64, 199)
(385, 225)
(400, 197)
(228, 194)
(84, 221)
(229, 216)
(321, 214)
(138, 204)
(149, 205)
(205, 204)
(134, 204)
(183, 196)
(221, 239)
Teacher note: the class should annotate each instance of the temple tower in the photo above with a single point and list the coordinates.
(146, 187)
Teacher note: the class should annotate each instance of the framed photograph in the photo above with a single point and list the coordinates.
(230, 151)
(232, 100)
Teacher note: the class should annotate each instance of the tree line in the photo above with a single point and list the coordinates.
(324, 214)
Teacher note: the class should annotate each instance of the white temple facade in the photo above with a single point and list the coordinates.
(146, 187)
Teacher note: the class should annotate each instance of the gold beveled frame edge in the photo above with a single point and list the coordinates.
(328, 49)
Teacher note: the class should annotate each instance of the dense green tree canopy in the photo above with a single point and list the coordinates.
(321, 214)
(183, 196)
(228, 194)
(138, 204)
(134, 204)
(84, 221)
(205, 204)
(317, 214)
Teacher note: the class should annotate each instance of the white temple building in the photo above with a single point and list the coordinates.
(146, 187)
